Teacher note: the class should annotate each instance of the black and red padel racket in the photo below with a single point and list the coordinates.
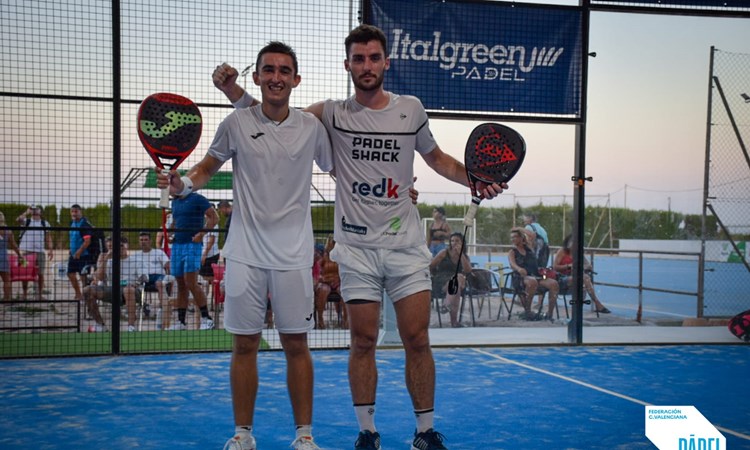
(494, 153)
(169, 127)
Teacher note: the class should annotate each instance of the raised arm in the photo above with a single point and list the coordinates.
(225, 80)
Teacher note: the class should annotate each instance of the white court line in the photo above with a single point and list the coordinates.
(596, 388)
(652, 311)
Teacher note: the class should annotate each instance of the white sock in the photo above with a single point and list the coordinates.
(365, 417)
(425, 419)
(304, 430)
(243, 430)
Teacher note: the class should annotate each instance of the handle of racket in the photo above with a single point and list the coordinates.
(164, 200)
(469, 217)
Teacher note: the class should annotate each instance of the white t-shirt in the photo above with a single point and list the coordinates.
(272, 173)
(214, 250)
(129, 271)
(374, 157)
(33, 238)
(152, 262)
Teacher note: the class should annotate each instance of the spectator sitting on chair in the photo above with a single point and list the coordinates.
(563, 264)
(35, 241)
(7, 242)
(155, 263)
(443, 267)
(526, 277)
(328, 283)
(102, 290)
(538, 240)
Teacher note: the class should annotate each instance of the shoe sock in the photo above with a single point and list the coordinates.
(303, 430)
(425, 419)
(204, 312)
(181, 313)
(365, 416)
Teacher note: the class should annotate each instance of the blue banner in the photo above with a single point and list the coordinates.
(486, 57)
(712, 4)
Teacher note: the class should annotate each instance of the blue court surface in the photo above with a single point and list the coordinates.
(487, 398)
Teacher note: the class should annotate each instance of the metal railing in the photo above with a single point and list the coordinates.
(497, 252)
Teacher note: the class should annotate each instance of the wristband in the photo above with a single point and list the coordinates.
(245, 101)
(188, 186)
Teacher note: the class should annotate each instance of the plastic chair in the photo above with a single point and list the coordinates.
(26, 272)
(217, 293)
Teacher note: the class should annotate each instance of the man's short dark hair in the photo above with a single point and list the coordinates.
(145, 233)
(364, 34)
(76, 206)
(277, 47)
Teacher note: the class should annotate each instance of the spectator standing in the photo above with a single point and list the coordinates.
(439, 231)
(209, 256)
(35, 239)
(225, 208)
(80, 236)
(7, 242)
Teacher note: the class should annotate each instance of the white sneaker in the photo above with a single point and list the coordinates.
(131, 328)
(97, 328)
(207, 324)
(177, 326)
(240, 443)
(304, 443)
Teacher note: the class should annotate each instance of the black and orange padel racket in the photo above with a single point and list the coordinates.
(493, 154)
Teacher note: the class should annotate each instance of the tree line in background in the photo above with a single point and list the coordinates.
(603, 225)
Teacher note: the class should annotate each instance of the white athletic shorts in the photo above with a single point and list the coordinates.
(247, 290)
(367, 272)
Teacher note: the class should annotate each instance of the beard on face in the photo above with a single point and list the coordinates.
(368, 87)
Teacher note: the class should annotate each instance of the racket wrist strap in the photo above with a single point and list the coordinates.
(188, 186)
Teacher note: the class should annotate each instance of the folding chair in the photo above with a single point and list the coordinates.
(481, 285)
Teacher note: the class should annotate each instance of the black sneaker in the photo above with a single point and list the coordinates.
(367, 440)
(429, 440)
